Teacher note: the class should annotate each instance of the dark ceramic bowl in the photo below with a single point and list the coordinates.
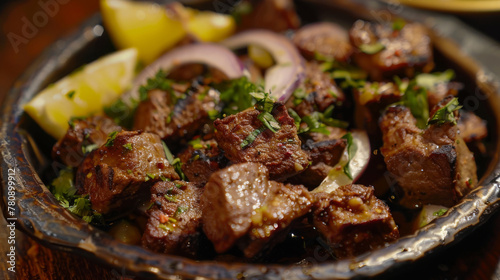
(25, 156)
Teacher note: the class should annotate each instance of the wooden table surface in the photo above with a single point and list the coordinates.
(475, 257)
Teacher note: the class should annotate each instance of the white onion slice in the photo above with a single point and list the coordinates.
(336, 177)
(210, 54)
(288, 73)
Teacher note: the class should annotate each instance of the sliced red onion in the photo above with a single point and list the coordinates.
(288, 73)
(210, 54)
(336, 177)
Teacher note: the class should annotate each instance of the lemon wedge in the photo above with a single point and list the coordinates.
(84, 92)
(209, 26)
(143, 25)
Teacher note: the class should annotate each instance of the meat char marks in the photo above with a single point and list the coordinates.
(242, 207)
(279, 151)
(431, 166)
(174, 224)
(117, 176)
(353, 220)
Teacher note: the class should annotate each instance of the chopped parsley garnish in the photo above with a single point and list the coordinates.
(64, 191)
(430, 80)
(268, 120)
(252, 136)
(159, 81)
(235, 96)
(121, 112)
(196, 143)
(352, 148)
(111, 139)
(180, 210)
(89, 148)
(70, 94)
(372, 48)
(171, 198)
(317, 122)
(446, 113)
(398, 24)
(440, 212)
(175, 162)
(415, 98)
(128, 146)
(296, 118)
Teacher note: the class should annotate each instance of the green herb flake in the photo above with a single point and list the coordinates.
(352, 148)
(128, 146)
(171, 198)
(372, 48)
(296, 118)
(269, 121)
(70, 94)
(431, 80)
(111, 139)
(398, 24)
(446, 113)
(89, 148)
(440, 212)
(180, 210)
(175, 162)
(252, 136)
(415, 98)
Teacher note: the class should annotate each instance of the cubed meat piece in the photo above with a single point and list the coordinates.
(174, 224)
(200, 160)
(274, 15)
(241, 207)
(324, 155)
(317, 93)
(284, 205)
(431, 166)
(353, 220)
(279, 151)
(372, 99)
(384, 50)
(230, 198)
(176, 117)
(327, 40)
(83, 136)
(118, 175)
(439, 91)
(472, 128)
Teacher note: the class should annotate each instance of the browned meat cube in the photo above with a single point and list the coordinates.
(118, 175)
(353, 220)
(317, 93)
(280, 152)
(175, 122)
(240, 206)
(274, 15)
(324, 155)
(370, 101)
(326, 39)
(200, 160)
(431, 166)
(83, 136)
(472, 128)
(229, 200)
(284, 205)
(384, 51)
(174, 224)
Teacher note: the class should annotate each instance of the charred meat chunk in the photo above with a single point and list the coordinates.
(118, 175)
(385, 50)
(353, 220)
(83, 136)
(174, 224)
(326, 39)
(472, 128)
(318, 92)
(241, 206)
(176, 117)
(431, 166)
(200, 159)
(324, 155)
(371, 99)
(274, 15)
(279, 151)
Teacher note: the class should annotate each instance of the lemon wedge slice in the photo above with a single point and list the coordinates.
(83, 92)
(143, 25)
(209, 26)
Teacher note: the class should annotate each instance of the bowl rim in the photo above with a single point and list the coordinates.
(38, 214)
